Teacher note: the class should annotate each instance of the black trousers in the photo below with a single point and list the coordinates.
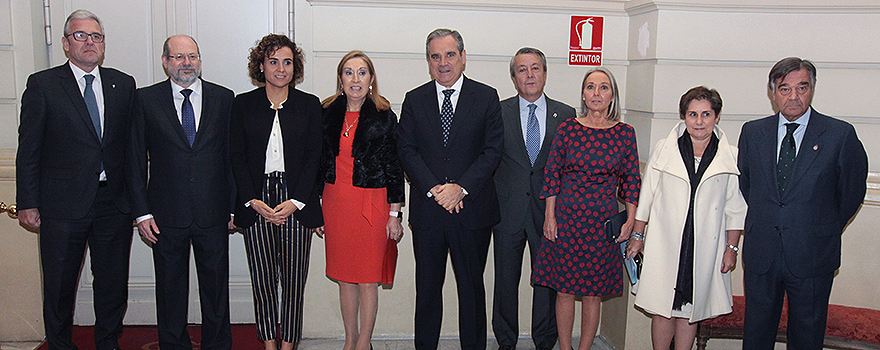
(509, 247)
(468, 250)
(171, 261)
(107, 232)
(807, 307)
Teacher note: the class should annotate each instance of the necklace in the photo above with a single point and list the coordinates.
(348, 126)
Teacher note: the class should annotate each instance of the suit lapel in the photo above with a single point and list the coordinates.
(809, 148)
(512, 119)
(111, 112)
(434, 114)
(166, 101)
(207, 119)
(767, 151)
(462, 110)
(552, 122)
(68, 83)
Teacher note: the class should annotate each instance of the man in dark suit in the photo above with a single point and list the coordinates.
(530, 122)
(181, 127)
(803, 176)
(71, 185)
(449, 143)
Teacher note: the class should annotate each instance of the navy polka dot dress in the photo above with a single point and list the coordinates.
(587, 170)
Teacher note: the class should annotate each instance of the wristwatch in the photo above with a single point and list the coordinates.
(733, 247)
(397, 214)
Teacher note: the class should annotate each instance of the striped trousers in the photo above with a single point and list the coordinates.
(278, 254)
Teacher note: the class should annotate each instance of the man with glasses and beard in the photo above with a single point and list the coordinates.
(184, 197)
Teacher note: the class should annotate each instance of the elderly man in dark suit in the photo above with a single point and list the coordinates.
(71, 186)
(181, 127)
(530, 122)
(803, 176)
(449, 143)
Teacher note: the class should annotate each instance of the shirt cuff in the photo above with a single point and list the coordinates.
(299, 205)
(143, 218)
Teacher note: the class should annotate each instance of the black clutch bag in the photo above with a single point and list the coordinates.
(613, 224)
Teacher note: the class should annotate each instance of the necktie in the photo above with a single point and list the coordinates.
(446, 114)
(92, 104)
(188, 117)
(786, 157)
(533, 134)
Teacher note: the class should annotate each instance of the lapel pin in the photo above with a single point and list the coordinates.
(554, 115)
(113, 85)
(815, 147)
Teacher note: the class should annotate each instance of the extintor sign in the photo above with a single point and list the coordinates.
(585, 41)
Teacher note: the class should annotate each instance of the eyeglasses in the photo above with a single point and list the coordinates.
(181, 57)
(83, 36)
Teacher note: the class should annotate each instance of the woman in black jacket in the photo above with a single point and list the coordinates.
(362, 196)
(275, 151)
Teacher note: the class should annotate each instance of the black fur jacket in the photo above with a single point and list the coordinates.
(374, 148)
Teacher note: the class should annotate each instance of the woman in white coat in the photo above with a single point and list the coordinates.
(690, 196)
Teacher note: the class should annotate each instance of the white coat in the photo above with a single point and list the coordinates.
(663, 203)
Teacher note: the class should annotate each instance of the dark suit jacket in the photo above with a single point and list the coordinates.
(472, 154)
(826, 187)
(59, 154)
(300, 119)
(518, 182)
(183, 185)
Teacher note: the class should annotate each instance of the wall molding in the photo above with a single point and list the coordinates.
(748, 63)
(596, 7)
(505, 58)
(7, 164)
(760, 8)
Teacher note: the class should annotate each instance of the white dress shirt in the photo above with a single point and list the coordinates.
(195, 98)
(98, 89)
(781, 129)
(540, 113)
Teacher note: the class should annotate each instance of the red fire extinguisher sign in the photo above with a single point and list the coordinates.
(585, 40)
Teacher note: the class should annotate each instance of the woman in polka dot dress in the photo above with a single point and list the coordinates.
(593, 161)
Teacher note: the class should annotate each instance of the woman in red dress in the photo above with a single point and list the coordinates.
(362, 196)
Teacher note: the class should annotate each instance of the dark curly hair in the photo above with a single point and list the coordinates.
(266, 47)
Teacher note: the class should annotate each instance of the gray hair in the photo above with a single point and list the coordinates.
(526, 50)
(81, 14)
(167, 51)
(441, 32)
(614, 109)
(788, 65)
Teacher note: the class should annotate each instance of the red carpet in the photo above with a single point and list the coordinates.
(244, 336)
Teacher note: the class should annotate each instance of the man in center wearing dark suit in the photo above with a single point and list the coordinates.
(803, 176)
(449, 142)
(530, 122)
(181, 126)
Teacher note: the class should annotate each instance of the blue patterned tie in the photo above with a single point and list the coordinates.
(188, 117)
(446, 114)
(92, 104)
(533, 134)
(786, 157)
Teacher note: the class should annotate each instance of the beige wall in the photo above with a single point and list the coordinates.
(657, 50)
